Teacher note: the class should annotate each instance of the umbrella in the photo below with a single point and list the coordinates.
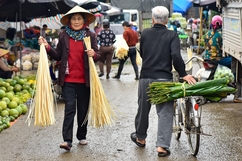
(203, 2)
(181, 6)
(207, 5)
(25, 10)
(87, 4)
(93, 6)
(113, 11)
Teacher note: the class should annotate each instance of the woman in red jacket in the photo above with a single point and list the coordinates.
(74, 71)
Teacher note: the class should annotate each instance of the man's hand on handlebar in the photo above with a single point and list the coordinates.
(189, 79)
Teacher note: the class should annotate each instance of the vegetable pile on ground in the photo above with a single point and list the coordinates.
(14, 93)
(160, 92)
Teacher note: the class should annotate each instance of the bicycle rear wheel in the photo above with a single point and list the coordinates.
(177, 116)
(193, 133)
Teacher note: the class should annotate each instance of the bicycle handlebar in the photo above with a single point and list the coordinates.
(194, 57)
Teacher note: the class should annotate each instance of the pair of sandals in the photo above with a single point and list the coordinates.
(160, 154)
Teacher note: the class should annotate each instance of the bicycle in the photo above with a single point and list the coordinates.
(187, 117)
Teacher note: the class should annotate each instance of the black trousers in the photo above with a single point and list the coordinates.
(5, 74)
(132, 55)
(76, 97)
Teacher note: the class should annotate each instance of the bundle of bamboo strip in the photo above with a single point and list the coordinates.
(100, 112)
(42, 108)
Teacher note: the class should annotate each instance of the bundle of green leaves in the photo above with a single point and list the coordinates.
(160, 92)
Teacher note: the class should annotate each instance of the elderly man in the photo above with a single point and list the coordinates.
(159, 49)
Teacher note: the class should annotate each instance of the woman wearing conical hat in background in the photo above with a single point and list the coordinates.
(74, 71)
(6, 71)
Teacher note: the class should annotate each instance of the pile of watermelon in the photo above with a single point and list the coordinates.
(14, 93)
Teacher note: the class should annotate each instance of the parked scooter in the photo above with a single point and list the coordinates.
(208, 73)
(208, 70)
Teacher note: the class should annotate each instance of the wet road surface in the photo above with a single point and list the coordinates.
(222, 120)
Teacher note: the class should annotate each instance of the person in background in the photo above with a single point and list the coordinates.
(214, 43)
(131, 37)
(106, 38)
(98, 27)
(195, 32)
(213, 50)
(134, 26)
(36, 31)
(205, 17)
(176, 24)
(10, 34)
(159, 50)
(28, 33)
(198, 23)
(43, 32)
(62, 29)
(6, 71)
(73, 75)
(236, 66)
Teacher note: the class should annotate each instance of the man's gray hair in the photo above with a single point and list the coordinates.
(160, 14)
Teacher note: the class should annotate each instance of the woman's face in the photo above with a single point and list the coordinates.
(77, 21)
(6, 56)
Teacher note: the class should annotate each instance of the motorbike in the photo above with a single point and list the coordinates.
(208, 73)
(208, 70)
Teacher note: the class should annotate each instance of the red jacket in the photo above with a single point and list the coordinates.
(131, 37)
(61, 53)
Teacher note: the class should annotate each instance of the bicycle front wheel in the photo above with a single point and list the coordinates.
(177, 116)
(193, 133)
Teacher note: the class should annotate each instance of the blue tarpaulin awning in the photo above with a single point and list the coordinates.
(181, 6)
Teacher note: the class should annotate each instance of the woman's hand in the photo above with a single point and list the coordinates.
(90, 52)
(42, 40)
(15, 69)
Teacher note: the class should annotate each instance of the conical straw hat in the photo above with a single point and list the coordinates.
(3, 52)
(89, 16)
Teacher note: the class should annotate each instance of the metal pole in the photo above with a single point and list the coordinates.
(20, 19)
(201, 29)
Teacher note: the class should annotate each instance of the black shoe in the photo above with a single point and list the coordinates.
(133, 138)
(107, 77)
(101, 74)
(136, 78)
(116, 77)
(164, 154)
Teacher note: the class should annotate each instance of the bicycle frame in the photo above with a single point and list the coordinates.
(196, 110)
(187, 116)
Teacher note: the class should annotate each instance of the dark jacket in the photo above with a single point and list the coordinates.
(160, 49)
(62, 51)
